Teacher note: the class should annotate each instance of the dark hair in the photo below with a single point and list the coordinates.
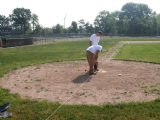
(100, 32)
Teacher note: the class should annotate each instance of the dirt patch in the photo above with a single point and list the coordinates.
(117, 81)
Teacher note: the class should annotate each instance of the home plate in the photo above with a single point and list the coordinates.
(102, 71)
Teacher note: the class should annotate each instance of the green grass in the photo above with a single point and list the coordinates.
(25, 109)
(15, 58)
(18, 57)
(148, 52)
(135, 39)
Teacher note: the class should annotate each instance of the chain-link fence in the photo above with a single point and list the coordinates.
(42, 39)
(20, 40)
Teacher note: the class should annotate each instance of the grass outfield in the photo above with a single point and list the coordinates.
(25, 109)
(14, 58)
(148, 52)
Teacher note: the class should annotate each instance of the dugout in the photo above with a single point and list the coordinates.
(12, 42)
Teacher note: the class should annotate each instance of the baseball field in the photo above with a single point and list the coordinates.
(53, 78)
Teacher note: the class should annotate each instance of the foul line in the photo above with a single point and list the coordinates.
(66, 100)
(79, 88)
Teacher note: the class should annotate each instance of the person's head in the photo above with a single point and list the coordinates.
(99, 33)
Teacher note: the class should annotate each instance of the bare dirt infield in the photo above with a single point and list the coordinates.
(117, 81)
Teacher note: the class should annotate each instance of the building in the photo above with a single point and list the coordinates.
(12, 42)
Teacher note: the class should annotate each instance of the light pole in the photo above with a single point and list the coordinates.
(64, 20)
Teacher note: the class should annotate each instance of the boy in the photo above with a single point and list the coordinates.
(92, 54)
(94, 40)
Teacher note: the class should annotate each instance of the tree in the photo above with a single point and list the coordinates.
(46, 31)
(73, 27)
(100, 20)
(158, 22)
(38, 29)
(57, 29)
(64, 30)
(155, 26)
(34, 20)
(28, 28)
(125, 24)
(4, 21)
(21, 16)
(136, 13)
(106, 22)
(116, 14)
(81, 24)
(89, 28)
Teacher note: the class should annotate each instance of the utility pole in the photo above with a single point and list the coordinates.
(64, 20)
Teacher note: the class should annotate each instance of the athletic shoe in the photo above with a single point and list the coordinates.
(5, 107)
(5, 114)
(94, 73)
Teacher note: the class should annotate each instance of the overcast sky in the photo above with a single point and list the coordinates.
(52, 12)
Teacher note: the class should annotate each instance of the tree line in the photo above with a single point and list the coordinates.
(134, 19)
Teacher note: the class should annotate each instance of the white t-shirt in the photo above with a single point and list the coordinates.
(95, 39)
(94, 48)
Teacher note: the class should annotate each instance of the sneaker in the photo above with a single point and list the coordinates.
(97, 69)
(5, 114)
(94, 73)
(5, 107)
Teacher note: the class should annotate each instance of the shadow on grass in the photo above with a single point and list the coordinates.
(82, 78)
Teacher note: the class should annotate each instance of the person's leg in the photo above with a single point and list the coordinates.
(92, 61)
(87, 57)
(96, 65)
(90, 58)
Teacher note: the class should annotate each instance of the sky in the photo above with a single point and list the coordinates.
(52, 12)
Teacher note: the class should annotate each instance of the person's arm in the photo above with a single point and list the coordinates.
(96, 55)
(90, 43)
(91, 38)
(98, 41)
